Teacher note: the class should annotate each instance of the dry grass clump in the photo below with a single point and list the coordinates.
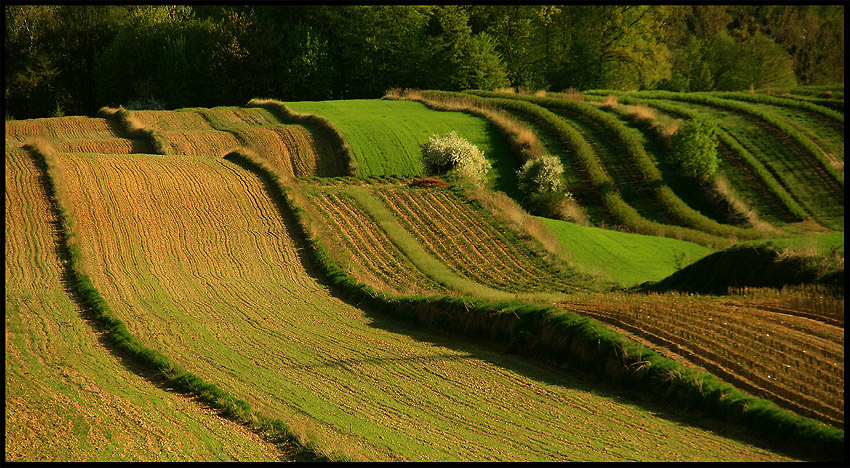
(610, 102)
(573, 94)
(505, 90)
(642, 114)
(571, 210)
(723, 189)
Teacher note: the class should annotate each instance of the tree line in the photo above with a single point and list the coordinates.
(74, 59)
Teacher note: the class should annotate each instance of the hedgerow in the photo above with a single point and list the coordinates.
(763, 173)
(565, 337)
(650, 173)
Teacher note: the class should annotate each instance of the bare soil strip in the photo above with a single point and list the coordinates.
(794, 361)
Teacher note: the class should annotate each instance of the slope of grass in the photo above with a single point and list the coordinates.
(385, 136)
(799, 179)
(625, 258)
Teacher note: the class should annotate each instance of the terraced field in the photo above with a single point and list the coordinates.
(67, 397)
(75, 134)
(794, 358)
(203, 258)
(789, 162)
(241, 310)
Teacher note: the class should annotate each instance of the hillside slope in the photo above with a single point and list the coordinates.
(66, 397)
(218, 283)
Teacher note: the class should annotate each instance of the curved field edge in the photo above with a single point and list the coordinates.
(625, 258)
(566, 337)
(68, 398)
(385, 136)
(117, 334)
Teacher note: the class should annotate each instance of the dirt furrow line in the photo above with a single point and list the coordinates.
(739, 374)
(531, 268)
(362, 246)
(397, 263)
(450, 236)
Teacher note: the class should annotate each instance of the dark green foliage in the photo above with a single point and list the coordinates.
(694, 148)
(74, 59)
(715, 273)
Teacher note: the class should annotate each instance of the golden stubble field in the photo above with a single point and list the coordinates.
(66, 397)
(193, 255)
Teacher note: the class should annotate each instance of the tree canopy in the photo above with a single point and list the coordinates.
(74, 59)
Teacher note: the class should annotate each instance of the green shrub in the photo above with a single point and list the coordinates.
(541, 181)
(542, 174)
(452, 152)
(694, 148)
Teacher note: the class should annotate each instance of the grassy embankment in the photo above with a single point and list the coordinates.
(385, 136)
(796, 162)
(532, 334)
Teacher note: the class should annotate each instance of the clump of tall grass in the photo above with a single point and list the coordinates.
(131, 126)
(572, 94)
(610, 102)
(724, 190)
(342, 151)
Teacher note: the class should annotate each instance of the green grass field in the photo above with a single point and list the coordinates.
(625, 258)
(385, 136)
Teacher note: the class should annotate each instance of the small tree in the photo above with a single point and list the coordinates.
(541, 182)
(694, 148)
(452, 152)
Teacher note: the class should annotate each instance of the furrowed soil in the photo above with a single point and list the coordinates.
(362, 245)
(75, 134)
(193, 255)
(66, 397)
(795, 361)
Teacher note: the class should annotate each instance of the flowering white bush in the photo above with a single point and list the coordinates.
(541, 175)
(451, 151)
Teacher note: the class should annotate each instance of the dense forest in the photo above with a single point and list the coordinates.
(72, 59)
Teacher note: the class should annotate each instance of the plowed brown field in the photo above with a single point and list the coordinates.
(795, 361)
(193, 255)
(75, 135)
(67, 398)
(372, 256)
(465, 238)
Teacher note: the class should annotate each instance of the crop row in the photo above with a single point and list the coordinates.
(465, 242)
(369, 247)
(794, 172)
(806, 151)
(748, 162)
(746, 344)
(646, 166)
(807, 300)
(601, 182)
